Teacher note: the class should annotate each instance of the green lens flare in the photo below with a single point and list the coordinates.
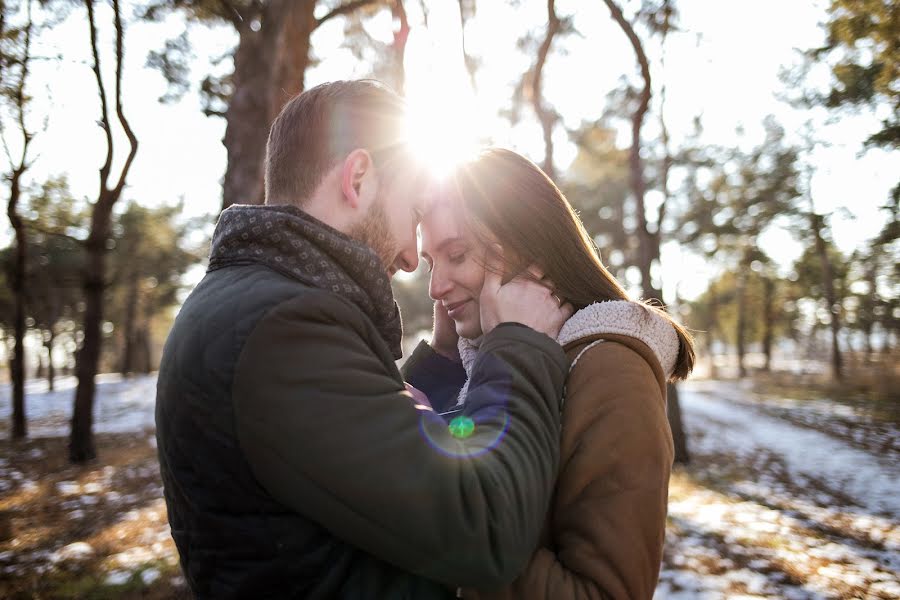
(461, 427)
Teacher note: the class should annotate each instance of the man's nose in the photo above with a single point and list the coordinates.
(408, 260)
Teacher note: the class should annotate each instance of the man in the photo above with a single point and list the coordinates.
(295, 463)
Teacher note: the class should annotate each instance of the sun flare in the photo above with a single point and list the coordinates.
(441, 134)
(443, 116)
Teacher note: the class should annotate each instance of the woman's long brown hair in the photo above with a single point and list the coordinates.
(509, 200)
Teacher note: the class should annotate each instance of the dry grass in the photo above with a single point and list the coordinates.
(115, 508)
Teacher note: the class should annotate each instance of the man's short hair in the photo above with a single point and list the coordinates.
(320, 126)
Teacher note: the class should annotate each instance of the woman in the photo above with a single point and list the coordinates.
(605, 527)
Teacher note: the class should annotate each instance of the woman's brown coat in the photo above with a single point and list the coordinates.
(605, 529)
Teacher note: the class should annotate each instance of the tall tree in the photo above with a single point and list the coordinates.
(270, 60)
(648, 241)
(745, 194)
(16, 58)
(81, 443)
(649, 235)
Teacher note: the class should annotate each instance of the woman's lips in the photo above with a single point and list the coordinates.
(454, 310)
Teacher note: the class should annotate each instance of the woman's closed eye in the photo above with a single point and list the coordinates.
(457, 258)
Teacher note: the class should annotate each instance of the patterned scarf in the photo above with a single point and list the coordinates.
(297, 245)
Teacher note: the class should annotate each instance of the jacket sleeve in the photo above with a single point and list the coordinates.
(437, 376)
(607, 525)
(329, 431)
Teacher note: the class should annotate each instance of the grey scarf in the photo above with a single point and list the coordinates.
(297, 245)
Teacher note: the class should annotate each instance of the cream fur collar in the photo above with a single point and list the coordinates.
(620, 317)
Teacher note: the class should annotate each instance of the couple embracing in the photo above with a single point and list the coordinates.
(523, 453)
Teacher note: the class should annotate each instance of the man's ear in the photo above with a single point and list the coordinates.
(358, 181)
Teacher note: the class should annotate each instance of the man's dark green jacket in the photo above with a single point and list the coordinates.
(296, 465)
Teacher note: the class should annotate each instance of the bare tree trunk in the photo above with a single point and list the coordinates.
(679, 436)
(768, 319)
(711, 329)
(17, 357)
(247, 116)
(145, 364)
(830, 296)
(51, 370)
(127, 364)
(648, 242)
(39, 368)
(269, 67)
(741, 292)
(81, 442)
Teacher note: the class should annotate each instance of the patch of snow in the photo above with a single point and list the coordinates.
(148, 576)
(73, 552)
(118, 577)
(68, 488)
(723, 425)
(121, 405)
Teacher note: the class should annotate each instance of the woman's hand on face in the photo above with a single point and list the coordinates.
(444, 339)
(521, 300)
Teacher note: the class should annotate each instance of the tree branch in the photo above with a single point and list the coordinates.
(637, 118)
(344, 9)
(545, 116)
(104, 109)
(120, 113)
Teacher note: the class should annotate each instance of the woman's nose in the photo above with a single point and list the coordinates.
(438, 286)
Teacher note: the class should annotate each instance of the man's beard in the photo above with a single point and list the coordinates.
(373, 231)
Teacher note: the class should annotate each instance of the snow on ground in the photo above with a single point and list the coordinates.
(782, 500)
(872, 482)
(770, 509)
(120, 405)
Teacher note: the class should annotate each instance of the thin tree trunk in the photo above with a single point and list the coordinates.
(830, 296)
(648, 243)
(741, 292)
(51, 370)
(39, 368)
(768, 319)
(81, 444)
(127, 364)
(711, 330)
(679, 436)
(17, 358)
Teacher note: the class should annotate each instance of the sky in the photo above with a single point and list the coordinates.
(723, 65)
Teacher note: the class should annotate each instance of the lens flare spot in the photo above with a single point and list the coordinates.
(461, 427)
